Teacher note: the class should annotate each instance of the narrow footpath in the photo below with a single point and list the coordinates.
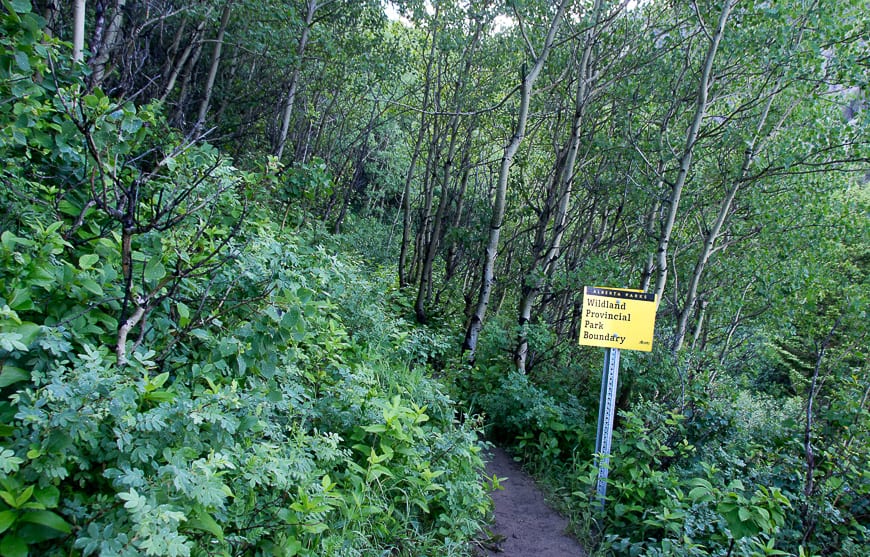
(524, 525)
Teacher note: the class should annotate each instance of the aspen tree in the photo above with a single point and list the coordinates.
(498, 206)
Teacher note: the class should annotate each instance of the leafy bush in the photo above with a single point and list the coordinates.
(180, 378)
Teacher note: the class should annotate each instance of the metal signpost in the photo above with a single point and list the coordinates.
(606, 409)
(614, 318)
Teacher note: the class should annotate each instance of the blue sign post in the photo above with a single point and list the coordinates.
(606, 411)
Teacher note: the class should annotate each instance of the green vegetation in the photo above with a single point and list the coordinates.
(183, 376)
(271, 270)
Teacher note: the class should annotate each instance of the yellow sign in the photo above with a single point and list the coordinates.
(618, 318)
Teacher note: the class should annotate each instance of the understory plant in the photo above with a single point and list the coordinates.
(178, 375)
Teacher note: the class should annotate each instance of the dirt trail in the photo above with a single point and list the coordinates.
(524, 525)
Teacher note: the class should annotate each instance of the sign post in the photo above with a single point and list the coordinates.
(606, 408)
(614, 318)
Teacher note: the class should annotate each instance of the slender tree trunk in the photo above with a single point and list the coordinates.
(79, 31)
(233, 70)
(51, 13)
(409, 176)
(294, 79)
(172, 52)
(451, 259)
(704, 257)
(656, 206)
(686, 159)
(699, 324)
(732, 327)
(498, 207)
(406, 198)
(181, 106)
(649, 267)
(175, 70)
(713, 234)
(213, 69)
(808, 520)
(107, 44)
(433, 238)
(424, 231)
(544, 257)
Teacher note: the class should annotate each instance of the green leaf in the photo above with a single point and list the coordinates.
(159, 396)
(158, 381)
(8, 240)
(87, 261)
(314, 527)
(28, 332)
(12, 341)
(48, 519)
(91, 286)
(21, 300)
(292, 547)
(700, 494)
(22, 61)
(154, 270)
(7, 519)
(701, 482)
(53, 227)
(11, 375)
(13, 546)
(48, 496)
(183, 313)
(21, 6)
(205, 522)
(8, 498)
(23, 497)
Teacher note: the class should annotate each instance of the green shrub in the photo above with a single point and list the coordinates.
(180, 377)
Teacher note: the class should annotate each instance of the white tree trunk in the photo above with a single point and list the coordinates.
(686, 159)
(175, 71)
(294, 79)
(102, 58)
(753, 144)
(79, 31)
(498, 207)
(212, 72)
(544, 261)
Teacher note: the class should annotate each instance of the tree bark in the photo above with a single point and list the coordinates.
(418, 146)
(174, 71)
(294, 79)
(213, 69)
(724, 210)
(431, 246)
(686, 159)
(498, 207)
(107, 44)
(79, 31)
(544, 257)
(181, 108)
(451, 258)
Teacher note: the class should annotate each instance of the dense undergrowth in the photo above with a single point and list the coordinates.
(186, 369)
(707, 462)
(189, 368)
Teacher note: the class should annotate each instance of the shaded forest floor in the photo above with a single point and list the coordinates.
(524, 524)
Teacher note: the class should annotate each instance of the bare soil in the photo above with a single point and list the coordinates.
(524, 525)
